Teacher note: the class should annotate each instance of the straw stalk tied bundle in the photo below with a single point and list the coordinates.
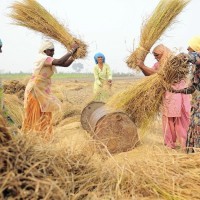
(30, 14)
(142, 100)
(14, 108)
(162, 17)
(4, 133)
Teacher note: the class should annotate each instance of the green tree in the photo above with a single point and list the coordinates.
(77, 67)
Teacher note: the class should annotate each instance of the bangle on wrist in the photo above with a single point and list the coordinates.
(73, 50)
(185, 91)
(70, 52)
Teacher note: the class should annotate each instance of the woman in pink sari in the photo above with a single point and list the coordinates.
(176, 108)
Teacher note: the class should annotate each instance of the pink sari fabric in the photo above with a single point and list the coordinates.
(175, 119)
(175, 130)
(174, 104)
(40, 86)
(175, 109)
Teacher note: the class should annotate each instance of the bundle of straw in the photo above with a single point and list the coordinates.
(162, 17)
(143, 99)
(14, 108)
(30, 14)
(4, 133)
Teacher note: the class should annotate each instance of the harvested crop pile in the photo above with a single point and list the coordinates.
(30, 172)
(4, 133)
(14, 87)
(31, 169)
(14, 109)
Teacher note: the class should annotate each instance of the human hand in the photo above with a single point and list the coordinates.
(173, 90)
(75, 46)
(184, 56)
(139, 63)
(110, 82)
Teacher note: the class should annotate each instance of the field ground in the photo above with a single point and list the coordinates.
(76, 92)
(157, 172)
(17, 76)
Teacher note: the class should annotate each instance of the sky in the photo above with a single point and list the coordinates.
(108, 26)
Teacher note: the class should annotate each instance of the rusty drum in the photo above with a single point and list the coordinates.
(113, 129)
(87, 112)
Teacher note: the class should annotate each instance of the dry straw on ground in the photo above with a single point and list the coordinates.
(30, 14)
(31, 169)
(4, 133)
(71, 167)
(14, 87)
(167, 175)
(162, 17)
(142, 100)
(14, 108)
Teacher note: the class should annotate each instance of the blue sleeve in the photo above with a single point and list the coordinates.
(194, 58)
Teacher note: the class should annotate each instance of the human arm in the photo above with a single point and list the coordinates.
(195, 85)
(67, 59)
(109, 75)
(193, 57)
(147, 71)
(188, 90)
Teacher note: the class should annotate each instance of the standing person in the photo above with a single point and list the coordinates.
(39, 101)
(193, 134)
(175, 108)
(103, 78)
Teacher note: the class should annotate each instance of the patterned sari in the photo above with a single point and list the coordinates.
(193, 135)
(39, 102)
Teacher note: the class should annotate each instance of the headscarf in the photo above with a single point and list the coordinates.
(42, 56)
(99, 54)
(46, 45)
(1, 43)
(164, 51)
(194, 43)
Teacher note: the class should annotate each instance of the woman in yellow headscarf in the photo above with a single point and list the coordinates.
(39, 102)
(193, 134)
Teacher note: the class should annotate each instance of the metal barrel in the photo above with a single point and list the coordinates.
(113, 128)
(87, 112)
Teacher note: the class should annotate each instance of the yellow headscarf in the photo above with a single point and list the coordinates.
(194, 43)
